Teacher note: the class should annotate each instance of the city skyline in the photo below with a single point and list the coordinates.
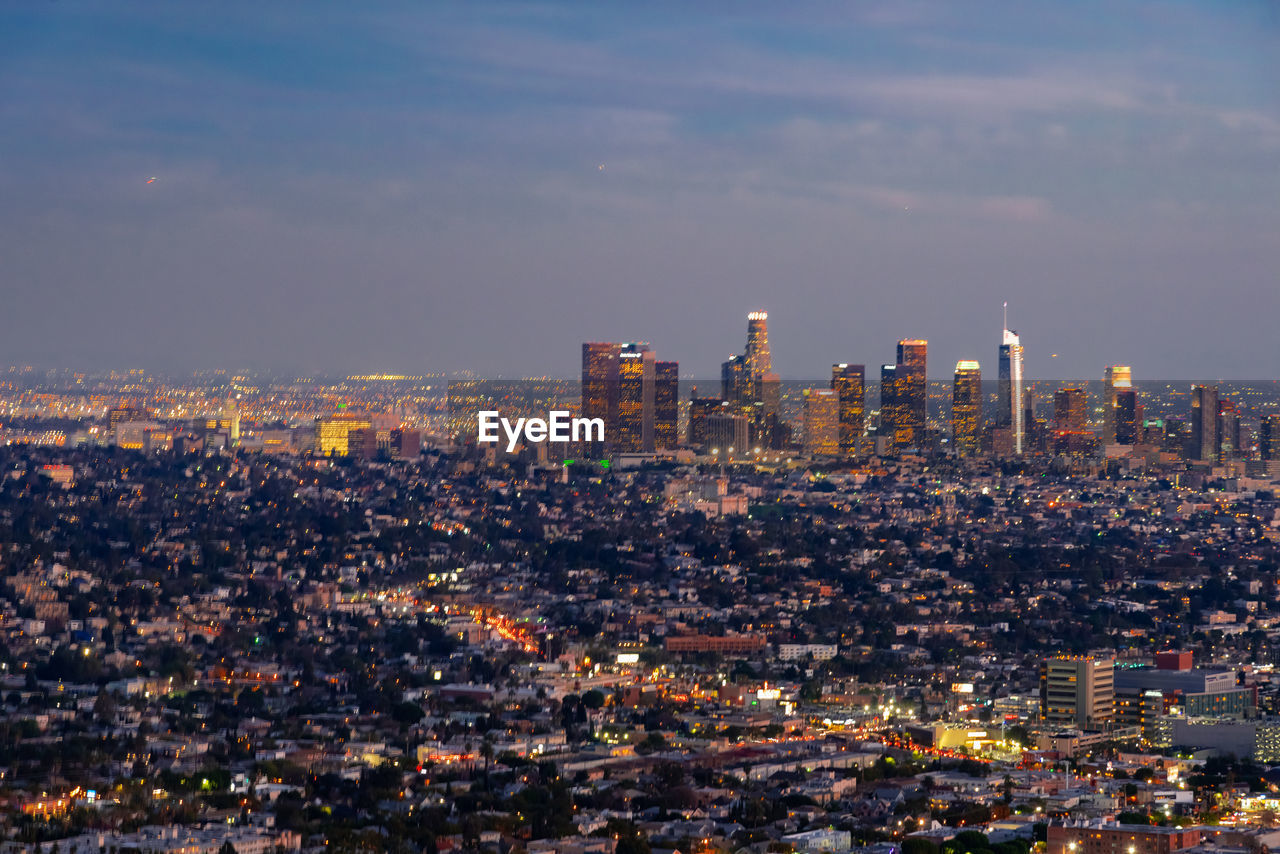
(425, 188)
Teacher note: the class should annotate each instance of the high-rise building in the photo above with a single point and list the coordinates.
(1114, 379)
(1269, 438)
(620, 384)
(1128, 417)
(406, 444)
(333, 432)
(700, 409)
(728, 435)
(1204, 423)
(849, 382)
(913, 392)
(890, 407)
(125, 414)
(758, 357)
(735, 381)
(633, 429)
(600, 380)
(749, 384)
(1230, 432)
(1009, 391)
(966, 408)
(821, 422)
(666, 405)
(1070, 421)
(1077, 691)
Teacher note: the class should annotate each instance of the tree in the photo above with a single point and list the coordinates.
(104, 707)
(227, 848)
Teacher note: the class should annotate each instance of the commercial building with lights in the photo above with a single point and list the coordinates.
(849, 382)
(1078, 691)
(1098, 837)
(966, 408)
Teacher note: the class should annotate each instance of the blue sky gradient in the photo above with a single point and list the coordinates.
(406, 187)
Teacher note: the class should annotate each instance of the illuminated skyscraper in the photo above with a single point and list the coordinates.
(748, 383)
(759, 359)
(701, 409)
(966, 408)
(666, 404)
(904, 395)
(333, 433)
(821, 422)
(890, 408)
(735, 381)
(1070, 421)
(633, 430)
(1009, 392)
(1269, 437)
(600, 380)
(621, 385)
(1115, 378)
(849, 382)
(1204, 423)
(913, 392)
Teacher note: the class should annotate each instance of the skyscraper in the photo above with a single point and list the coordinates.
(600, 380)
(735, 381)
(758, 357)
(700, 409)
(666, 405)
(966, 407)
(1128, 417)
(913, 392)
(821, 422)
(1269, 437)
(1204, 423)
(622, 385)
(633, 428)
(1070, 421)
(748, 383)
(849, 382)
(1115, 378)
(1230, 438)
(333, 432)
(890, 407)
(1009, 392)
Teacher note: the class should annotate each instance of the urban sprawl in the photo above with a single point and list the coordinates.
(879, 614)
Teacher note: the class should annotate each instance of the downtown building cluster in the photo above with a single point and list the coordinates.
(638, 400)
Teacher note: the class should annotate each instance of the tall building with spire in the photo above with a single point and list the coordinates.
(966, 408)
(1009, 412)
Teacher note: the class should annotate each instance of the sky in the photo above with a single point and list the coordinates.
(412, 187)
